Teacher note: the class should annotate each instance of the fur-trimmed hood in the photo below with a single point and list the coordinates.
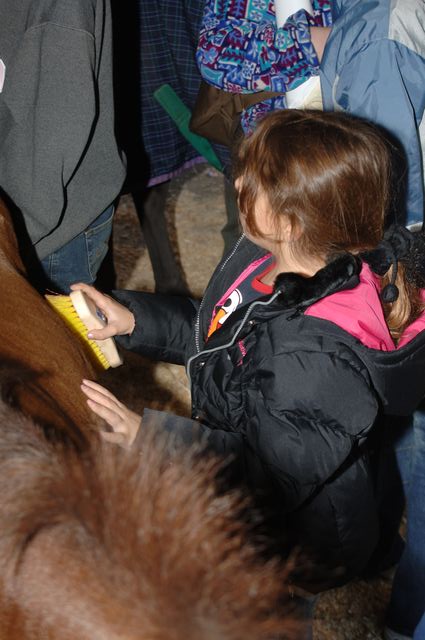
(343, 299)
(298, 292)
(341, 303)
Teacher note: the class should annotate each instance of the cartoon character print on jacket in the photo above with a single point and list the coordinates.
(246, 288)
(225, 310)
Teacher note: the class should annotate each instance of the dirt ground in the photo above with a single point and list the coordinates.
(195, 213)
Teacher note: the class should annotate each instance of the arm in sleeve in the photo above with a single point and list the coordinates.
(306, 421)
(310, 412)
(164, 324)
(185, 432)
(394, 99)
(52, 97)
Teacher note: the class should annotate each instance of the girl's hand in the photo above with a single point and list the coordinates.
(120, 319)
(125, 423)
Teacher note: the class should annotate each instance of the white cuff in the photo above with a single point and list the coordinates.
(286, 8)
(307, 95)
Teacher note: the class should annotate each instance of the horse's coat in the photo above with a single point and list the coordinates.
(34, 337)
(100, 543)
(118, 544)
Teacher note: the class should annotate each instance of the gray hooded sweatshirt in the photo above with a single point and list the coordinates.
(59, 159)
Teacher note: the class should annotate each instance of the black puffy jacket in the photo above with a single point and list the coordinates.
(293, 398)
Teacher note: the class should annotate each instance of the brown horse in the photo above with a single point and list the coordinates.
(118, 544)
(33, 336)
(99, 543)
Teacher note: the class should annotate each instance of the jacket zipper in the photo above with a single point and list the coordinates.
(198, 315)
(256, 303)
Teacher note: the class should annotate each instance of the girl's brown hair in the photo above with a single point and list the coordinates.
(329, 175)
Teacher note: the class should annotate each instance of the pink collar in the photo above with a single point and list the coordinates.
(359, 312)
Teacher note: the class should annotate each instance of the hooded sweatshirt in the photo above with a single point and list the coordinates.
(59, 160)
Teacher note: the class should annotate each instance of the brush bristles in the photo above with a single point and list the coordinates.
(64, 307)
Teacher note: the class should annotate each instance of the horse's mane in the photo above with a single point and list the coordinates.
(163, 555)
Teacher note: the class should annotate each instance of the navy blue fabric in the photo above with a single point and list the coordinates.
(407, 604)
(154, 44)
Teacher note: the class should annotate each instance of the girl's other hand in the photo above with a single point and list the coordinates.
(120, 319)
(125, 424)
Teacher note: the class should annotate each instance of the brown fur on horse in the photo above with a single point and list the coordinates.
(129, 545)
(33, 336)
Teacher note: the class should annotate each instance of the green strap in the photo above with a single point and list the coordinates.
(180, 114)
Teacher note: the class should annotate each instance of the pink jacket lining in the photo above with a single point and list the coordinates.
(359, 312)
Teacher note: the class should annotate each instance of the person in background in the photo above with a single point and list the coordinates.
(247, 47)
(373, 66)
(291, 353)
(420, 630)
(60, 165)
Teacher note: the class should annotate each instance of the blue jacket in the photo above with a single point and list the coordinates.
(374, 67)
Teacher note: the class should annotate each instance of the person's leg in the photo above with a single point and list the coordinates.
(407, 604)
(304, 610)
(391, 462)
(150, 207)
(79, 260)
(389, 634)
(420, 630)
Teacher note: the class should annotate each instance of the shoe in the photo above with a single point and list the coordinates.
(389, 634)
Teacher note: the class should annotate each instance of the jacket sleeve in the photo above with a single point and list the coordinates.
(393, 98)
(164, 324)
(183, 432)
(51, 95)
(188, 432)
(307, 415)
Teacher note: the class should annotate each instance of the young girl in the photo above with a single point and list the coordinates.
(298, 346)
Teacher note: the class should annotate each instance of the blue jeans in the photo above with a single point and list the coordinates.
(407, 604)
(304, 612)
(79, 260)
(420, 630)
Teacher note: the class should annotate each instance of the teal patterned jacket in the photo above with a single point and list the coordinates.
(241, 49)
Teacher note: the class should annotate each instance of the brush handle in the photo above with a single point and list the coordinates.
(93, 318)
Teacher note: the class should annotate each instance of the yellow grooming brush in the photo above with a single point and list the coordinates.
(81, 315)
